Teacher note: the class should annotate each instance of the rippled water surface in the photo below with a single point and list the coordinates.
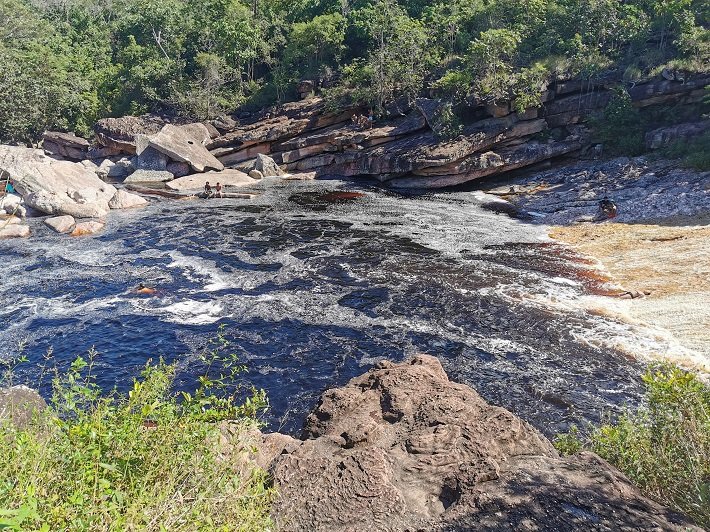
(314, 287)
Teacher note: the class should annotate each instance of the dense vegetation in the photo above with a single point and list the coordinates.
(65, 63)
(146, 460)
(664, 447)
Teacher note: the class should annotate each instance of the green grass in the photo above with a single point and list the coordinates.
(150, 459)
(663, 447)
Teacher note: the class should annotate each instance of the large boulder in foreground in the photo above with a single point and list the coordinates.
(404, 448)
(56, 187)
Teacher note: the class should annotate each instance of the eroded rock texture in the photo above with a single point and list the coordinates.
(404, 448)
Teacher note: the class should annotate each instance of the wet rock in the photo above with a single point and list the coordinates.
(196, 182)
(61, 224)
(404, 448)
(13, 230)
(267, 166)
(179, 145)
(66, 145)
(256, 174)
(149, 176)
(125, 200)
(19, 404)
(87, 228)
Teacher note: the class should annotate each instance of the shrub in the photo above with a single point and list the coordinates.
(146, 460)
(620, 127)
(664, 447)
(694, 153)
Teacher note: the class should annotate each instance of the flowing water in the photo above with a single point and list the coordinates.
(314, 287)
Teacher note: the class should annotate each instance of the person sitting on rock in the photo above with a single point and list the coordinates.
(208, 190)
(607, 208)
(218, 189)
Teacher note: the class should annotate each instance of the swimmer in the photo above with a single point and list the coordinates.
(144, 290)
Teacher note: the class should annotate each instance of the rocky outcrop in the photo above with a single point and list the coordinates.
(406, 151)
(119, 134)
(180, 145)
(404, 448)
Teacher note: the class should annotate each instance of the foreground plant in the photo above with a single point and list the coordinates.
(146, 460)
(664, 447)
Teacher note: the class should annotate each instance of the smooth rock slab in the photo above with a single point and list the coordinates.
(61, 224)
(228, 178)
(87, 228)
(149, 176)
(13, 230)
(178, 144)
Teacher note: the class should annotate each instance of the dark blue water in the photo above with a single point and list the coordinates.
(313, 292)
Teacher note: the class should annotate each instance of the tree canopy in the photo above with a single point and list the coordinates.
(66, 63)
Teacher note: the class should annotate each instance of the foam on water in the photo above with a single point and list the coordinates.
(312, 292)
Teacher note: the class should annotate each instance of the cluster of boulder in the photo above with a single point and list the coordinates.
(71, 179)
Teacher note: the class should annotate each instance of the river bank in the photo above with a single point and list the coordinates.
(655, 253)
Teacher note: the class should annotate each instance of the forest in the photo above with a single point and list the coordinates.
(66, 63)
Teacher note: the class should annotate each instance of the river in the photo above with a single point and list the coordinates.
(313, 288)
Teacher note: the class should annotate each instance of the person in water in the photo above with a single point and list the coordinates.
(218, 188)
(208, 190)
(144, 290)
(607, 208)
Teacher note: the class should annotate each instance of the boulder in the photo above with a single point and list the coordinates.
(9, 202)
(19, 404)
(149, 176)
(303, 176)
(196, 182)
(13, 230)
(66, 145)
(61, 224)
(118, 134)
(87, 228)
(55, 187)
(179, 169)
(658, 138)
(256, 174)
(267, 166)
(122, 168)
(125, 200)
(179, 145)
(9, 220)
(404, 448)
(199, 131)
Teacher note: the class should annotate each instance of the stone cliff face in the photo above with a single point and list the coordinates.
(403, 448)
(402, 151)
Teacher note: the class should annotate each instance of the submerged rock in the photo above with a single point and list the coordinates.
(87, 228)
(404, 448)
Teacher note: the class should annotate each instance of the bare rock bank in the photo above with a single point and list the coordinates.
(403, 448)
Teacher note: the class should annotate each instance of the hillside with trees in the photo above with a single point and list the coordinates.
(67, 63)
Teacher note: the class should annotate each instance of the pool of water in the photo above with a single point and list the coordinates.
(314, 283)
